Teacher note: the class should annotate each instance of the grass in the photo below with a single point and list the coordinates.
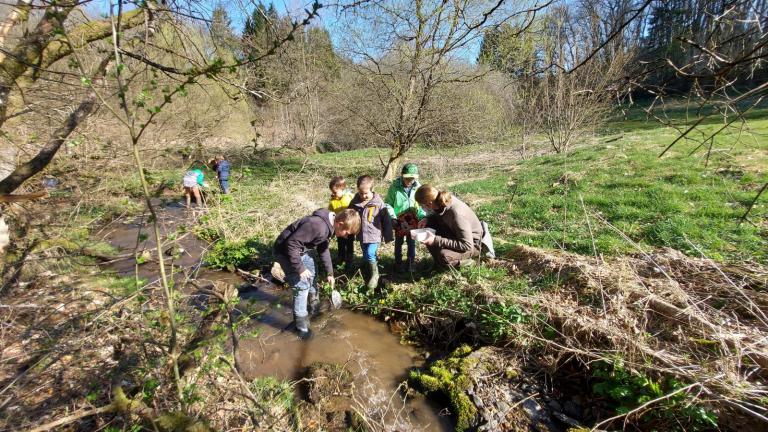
(655, 202)
(601, 198)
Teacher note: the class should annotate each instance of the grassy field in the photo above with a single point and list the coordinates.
(610, 195)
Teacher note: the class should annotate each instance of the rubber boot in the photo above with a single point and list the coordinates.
(302, 327)
(314, 304)
(373, 270)
(398, 266)
(409, 266)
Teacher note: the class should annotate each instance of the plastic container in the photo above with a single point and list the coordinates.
(420, 234)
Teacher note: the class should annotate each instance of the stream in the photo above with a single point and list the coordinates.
(374, 355)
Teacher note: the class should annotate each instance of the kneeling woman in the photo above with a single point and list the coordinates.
(457, 229)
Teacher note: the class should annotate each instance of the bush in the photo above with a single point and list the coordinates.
(242, 254)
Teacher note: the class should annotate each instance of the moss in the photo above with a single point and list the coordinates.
(449, 377)
(444, 375)
(424, 381)
(463, 408)
(462, 351)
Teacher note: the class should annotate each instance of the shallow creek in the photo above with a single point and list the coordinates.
(367, 348)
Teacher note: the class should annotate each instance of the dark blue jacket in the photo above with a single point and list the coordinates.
(222, 169)
(310, 232)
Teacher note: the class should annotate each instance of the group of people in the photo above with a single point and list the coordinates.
(194, 179)
(455, 239)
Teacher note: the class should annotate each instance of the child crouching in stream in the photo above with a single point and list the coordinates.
(291, 250)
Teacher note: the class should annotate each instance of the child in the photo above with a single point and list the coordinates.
(193, 180)
(403, 208)
(376, 224)
(340, 198)
(222, 172)
(291, 247)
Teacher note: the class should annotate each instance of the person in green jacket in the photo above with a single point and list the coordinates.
(405, 212)
(193, 181)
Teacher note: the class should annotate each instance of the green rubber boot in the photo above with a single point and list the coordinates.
(373, 271)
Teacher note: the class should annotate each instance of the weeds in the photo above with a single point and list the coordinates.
(628, 390)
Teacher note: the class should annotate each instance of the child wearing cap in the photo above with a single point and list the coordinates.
(405, 211)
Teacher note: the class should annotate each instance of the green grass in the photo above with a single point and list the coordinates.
(620, 197)
(673, 201)
(606, 196)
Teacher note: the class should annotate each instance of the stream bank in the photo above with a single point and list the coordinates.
(356, 345)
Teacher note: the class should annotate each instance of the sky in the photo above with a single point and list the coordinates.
(239, 10)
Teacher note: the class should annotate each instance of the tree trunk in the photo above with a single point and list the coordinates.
(19, 14)
(390, 171)
(46, 154)
(395, 154)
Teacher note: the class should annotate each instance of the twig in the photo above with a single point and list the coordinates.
(752, 204)
(74, 417)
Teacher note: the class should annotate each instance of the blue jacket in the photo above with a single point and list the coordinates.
(222, 169)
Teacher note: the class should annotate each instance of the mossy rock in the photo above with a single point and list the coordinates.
(448, 377)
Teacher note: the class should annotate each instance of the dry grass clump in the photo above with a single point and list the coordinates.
(662, 313)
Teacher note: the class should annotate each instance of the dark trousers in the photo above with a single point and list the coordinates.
(346, 249)
(399, 249)
(449, 258)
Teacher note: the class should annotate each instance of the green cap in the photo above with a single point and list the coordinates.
(410, 170)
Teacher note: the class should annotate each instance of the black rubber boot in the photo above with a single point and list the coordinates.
(409, 267)
(373, 271)
(398, 265)
(314, 304)
(302, 327)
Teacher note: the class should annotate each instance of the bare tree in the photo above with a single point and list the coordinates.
(29, 60)
(403, 52)
(569, 105)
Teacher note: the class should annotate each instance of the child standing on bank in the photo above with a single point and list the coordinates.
(376, 226)
(222, 172)
(340, 199)
(406, 213)
(291, 248)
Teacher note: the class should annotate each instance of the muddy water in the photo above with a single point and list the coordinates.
(136, 237)
(374, 355)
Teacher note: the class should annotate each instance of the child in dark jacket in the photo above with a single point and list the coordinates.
(291, 247)
(376, 226)
(222, 172)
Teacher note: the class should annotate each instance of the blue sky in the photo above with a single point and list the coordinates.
(238, 10)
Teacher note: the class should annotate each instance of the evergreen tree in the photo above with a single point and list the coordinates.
(225, 43)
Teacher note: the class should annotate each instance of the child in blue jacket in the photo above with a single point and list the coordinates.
(222, 172)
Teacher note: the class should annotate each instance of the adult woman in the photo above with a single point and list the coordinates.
(458, 231)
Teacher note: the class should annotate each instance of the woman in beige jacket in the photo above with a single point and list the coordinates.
(458, 231)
